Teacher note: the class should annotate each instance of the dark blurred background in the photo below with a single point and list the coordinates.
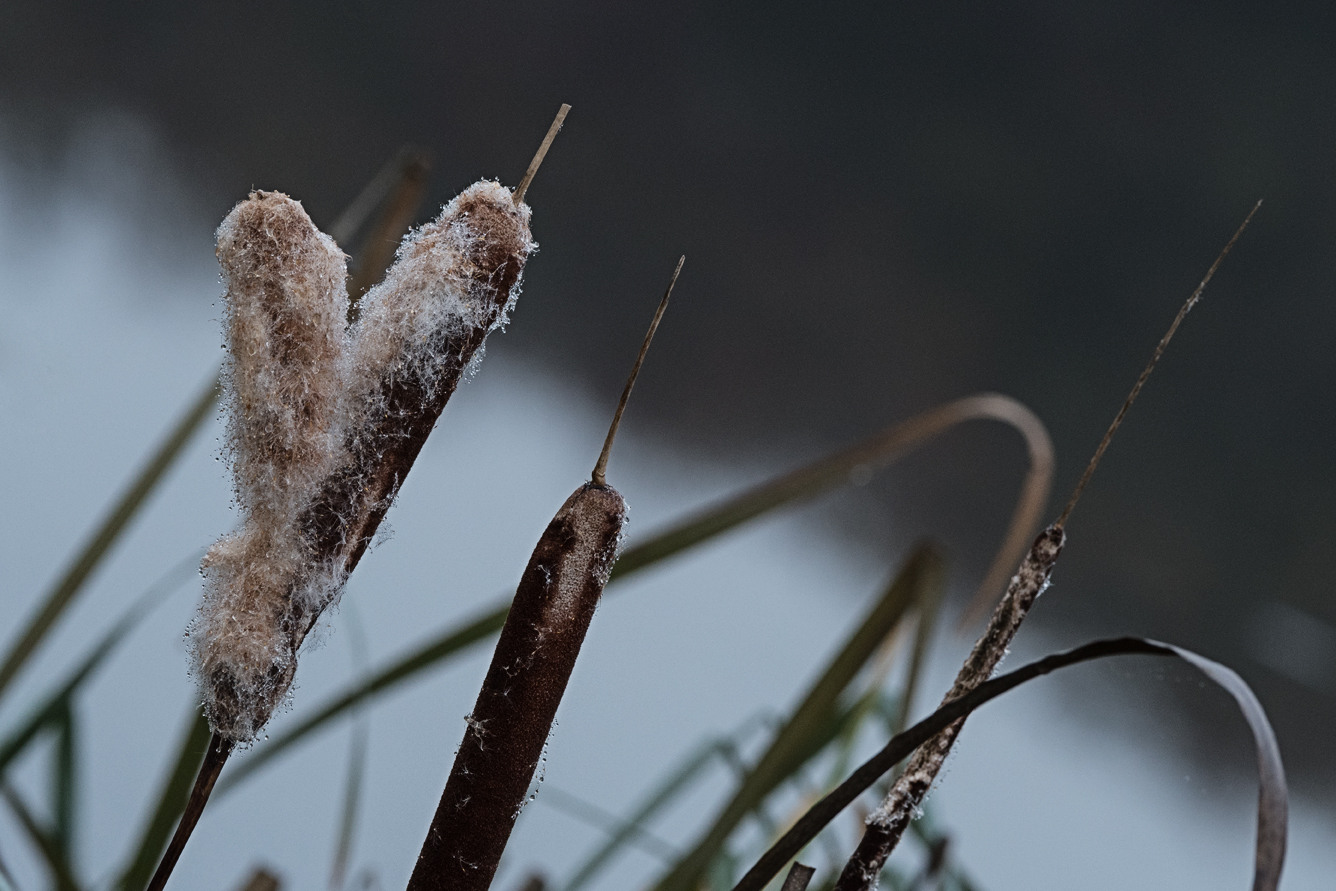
(883, 206)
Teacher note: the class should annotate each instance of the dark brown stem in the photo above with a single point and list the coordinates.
(799, 877)
(214, 759)
(513, 716)
(600, 468)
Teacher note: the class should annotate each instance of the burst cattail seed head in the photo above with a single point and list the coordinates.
(325, 422)
(285, 311)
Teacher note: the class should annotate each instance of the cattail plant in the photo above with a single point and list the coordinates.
(531, 665)
(325, 423)
(887, 823)
(328, 406)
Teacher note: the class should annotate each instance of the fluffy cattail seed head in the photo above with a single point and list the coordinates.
(286, 312)
(285, 318)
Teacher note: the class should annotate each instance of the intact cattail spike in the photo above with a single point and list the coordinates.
(600, 469)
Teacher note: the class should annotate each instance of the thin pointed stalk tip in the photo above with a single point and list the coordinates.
(600, 469)
(1150, 366)
(540, 154)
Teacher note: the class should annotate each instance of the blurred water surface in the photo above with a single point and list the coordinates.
(110, 329)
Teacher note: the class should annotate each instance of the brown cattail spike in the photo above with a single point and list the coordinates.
(1150, 366)
(512, 718)
(600, 469)
(541, 153)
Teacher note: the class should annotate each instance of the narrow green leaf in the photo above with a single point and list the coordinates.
(43, 841)
(64, 776)
(811, 724)
(352, 800)
(49, 710)
(171, 802)
(591, 814)
(457, 639)
(6, 877)
(6, 880)
(928, 610)
(72, 580)
(804, 483)
(357, 756)
(677, 781)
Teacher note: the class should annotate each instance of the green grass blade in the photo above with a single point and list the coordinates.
(812, 722)
(49, 710)
(676, 782)
(6, 877)
(590, 814)
(352, 800)
(171, 802)
(928, 611)
(42, 840)
(71, 582)
(452, 642)
(357, 755)
(64, 777)
(806, 482)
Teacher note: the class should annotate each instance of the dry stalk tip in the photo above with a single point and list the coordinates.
(600, 468)
(538, 157)
(1150, 366)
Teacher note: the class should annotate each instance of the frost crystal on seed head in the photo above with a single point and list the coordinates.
(434, 294)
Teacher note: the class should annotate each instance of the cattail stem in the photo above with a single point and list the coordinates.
(532, 663)
(214, 759)
(887, 824)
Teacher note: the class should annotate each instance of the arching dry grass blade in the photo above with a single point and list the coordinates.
(920, 580)
(877, 451)
(1272, 795)
(171, 801)
(806, 482)
(887, 823)
(357, 758)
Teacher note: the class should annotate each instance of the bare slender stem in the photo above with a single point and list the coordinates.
(601, 467)
(214, 759)
(1150, 366)
(541, 153)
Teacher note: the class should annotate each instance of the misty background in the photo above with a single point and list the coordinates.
(882, 208)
